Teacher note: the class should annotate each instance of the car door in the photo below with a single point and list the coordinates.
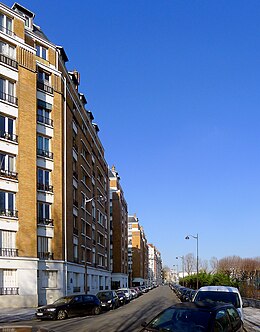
(88, 303)
(76, 306)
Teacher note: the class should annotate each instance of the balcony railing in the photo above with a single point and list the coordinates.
(8, 174)
(11, 99)
(8, 213)
(45, 153)
(76, 289)
(45, 255)
(9, 290)
(8, 252)
(44, 87)
(45, 221)
(8, 61)
(45, 187)
(8, 136)
(43, 119)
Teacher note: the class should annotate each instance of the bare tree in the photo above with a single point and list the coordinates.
(214, 265)
(190, 263)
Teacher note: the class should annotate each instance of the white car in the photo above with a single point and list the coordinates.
(127, 292)
(221, 294)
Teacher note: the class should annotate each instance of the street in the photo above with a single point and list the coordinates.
(129, 317)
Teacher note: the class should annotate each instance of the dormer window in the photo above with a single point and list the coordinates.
(41, 51)
(6, 24)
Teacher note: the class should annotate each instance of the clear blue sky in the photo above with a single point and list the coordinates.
(174, 86)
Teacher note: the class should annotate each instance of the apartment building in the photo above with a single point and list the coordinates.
(138, 252)
(119, 232)
(154, 266)
(54, 185)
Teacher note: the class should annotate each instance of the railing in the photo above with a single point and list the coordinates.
(75, 259)
(45, 153)
(9, 290)
(8, 61)
(44, 87)
(45, 255)
(45, 221)
(43, 119)
(8, 252)
(76, 289)
(45, 187)
(8, 213)
(8, 136)
(8, 174)
(11, 99)
(75, 231)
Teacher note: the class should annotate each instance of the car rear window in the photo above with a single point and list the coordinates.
(217, 296)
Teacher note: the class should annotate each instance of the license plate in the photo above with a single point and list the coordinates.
(39, 314)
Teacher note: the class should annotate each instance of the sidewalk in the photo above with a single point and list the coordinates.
(9, 315)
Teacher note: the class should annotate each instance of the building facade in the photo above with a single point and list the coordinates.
(155, 266)
(118, 232)
(54, 185)
(138, 252)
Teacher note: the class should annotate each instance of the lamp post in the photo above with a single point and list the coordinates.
(197, 238)
(182, 257)
(100, 199)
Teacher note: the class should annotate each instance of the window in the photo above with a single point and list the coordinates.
(7, 243)
(7, 128)
(49, 279)
(44, 244)
(41, 51)
(7, 163)
(6, 24)
(44, 76)
(7, 91)
(44, 211)
(43, 145)
(7, 50)
(7, 202)
(8, 282)
(43, 112)
(75, 247)
(43, 179)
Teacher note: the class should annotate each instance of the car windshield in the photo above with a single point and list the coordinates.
(63, 300)
(180, 320)
(227, 297)
(104, 296)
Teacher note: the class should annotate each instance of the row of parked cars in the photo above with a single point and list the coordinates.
(209, 309)
(84, 304)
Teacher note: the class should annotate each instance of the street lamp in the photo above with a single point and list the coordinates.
(100, 198)
(197, 238)
(182, 257)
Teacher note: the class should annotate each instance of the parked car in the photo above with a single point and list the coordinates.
(108, 299)
(134, 293)
(221, 294)
(68, 306)
(127, 292)
(196, 317)
(121, 297)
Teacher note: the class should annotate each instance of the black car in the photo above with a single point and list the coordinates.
(108, 299)
(68, 306)
(196, 317)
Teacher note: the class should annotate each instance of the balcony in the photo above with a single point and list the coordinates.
(8, 174)
(44, 120)
(6, 97)
(45, 255)
(9, 290)
(8, 136)
(8, 252)
(45, 153)
(44, 86)
(45, 187)
(8, 61)
(8, 213)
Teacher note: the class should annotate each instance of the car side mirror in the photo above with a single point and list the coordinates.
(144, 324)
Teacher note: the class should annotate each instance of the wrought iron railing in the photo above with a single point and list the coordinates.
(11, 99)
(45, 153)
(45, 221)
(8, 174)
(45, 120)
(44, 87)
(9, 290)
(8, 213)
(8, 61)
(45, 255)
(45, 187)
(9, 136)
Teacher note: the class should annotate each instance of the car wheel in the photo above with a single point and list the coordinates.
(96, 311)
(61, 315)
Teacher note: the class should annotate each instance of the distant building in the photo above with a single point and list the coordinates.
(138, 252)
(154, 266)
(118, 232)
(54, 220)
